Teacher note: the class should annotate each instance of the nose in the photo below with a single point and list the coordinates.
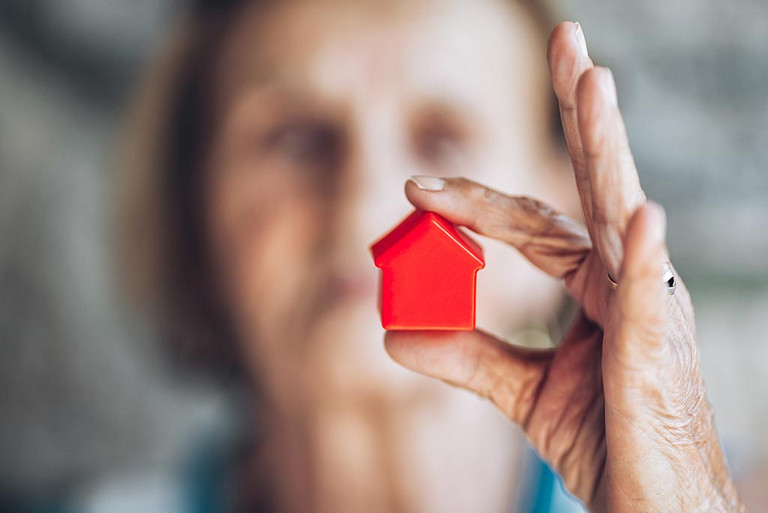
(371, 198)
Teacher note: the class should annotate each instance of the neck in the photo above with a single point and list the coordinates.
(338, 455)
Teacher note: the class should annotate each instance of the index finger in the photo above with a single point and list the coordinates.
(552, 241)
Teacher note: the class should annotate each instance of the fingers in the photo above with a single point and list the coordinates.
(605, 173)
(552, 241)
(568, 60)
(638, 328)
(508, 375)
(614, 184)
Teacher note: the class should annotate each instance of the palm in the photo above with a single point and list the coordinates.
(566, 421)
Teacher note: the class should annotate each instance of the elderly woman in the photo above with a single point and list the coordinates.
(270, 150)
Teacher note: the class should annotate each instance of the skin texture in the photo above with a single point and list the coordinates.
(322, 110)
(619, 408)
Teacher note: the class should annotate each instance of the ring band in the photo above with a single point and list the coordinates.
(668, 276)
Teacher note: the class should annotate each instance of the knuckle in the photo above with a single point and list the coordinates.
(604, 214)
(465, 187)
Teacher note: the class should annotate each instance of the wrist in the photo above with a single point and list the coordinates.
(714, 471)
(723, 497)
(720, 501)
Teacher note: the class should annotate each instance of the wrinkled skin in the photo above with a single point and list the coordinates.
(619, 408)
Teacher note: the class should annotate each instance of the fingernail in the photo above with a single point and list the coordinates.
(578, 34)
(658, 220)
(609, 86)
(428, 183)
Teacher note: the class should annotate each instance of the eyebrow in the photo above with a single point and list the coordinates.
(443, 109)
(270, 100)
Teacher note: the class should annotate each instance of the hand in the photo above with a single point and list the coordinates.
(619, 408)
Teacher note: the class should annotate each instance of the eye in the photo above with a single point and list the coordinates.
(438, 142)
(305, 144)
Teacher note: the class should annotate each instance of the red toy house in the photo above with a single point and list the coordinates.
(429, 270)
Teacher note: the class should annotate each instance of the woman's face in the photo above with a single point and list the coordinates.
(323, 110)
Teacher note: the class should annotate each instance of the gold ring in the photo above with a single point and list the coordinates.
(668, 276)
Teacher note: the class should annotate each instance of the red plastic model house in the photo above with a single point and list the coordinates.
(429, 270)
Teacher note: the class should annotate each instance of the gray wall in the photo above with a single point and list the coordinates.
(83, 390)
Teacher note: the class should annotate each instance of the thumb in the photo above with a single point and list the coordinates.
(507, 375)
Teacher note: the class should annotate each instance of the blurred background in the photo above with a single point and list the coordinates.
(89, 403)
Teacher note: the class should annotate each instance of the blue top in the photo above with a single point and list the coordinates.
(203, 486)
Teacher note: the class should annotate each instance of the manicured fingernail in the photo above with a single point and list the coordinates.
(609, 86)
(428, 183)
(578, 34)
(658, 221)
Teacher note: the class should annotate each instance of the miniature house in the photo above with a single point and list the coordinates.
(429, 270)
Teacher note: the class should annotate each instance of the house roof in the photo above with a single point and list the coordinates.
(392, 244)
